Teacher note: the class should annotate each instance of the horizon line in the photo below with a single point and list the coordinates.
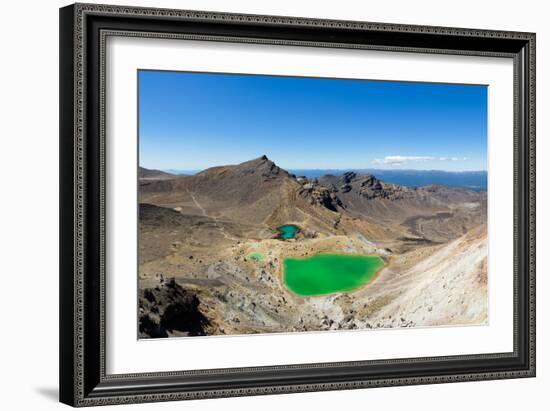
(324, 169)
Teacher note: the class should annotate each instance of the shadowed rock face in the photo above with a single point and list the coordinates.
(169, 308)
(317, 194)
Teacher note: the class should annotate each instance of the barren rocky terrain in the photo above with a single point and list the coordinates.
(200, 237)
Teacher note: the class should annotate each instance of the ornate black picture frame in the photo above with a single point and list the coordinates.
(83, 30)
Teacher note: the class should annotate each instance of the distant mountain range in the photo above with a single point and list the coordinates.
(471, 180)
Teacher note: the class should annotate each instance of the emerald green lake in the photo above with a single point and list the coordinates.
(329, 273)
(288, 231)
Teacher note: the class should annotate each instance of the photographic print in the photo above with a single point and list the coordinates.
(236, 181)
(274, 204)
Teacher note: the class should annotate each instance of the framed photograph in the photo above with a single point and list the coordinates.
(261, 204)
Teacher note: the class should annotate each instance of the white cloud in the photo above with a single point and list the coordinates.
(400, 160)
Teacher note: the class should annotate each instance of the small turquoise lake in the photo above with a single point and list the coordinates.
(288, 231)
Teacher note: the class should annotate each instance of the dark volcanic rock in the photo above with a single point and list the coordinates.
(346, 188)
(320, 195)
(366, 186)
(371, 187)
(349, 176)
(168, 308)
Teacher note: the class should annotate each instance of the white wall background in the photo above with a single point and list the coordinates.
(29, 204)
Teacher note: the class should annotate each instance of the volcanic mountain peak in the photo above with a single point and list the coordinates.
(261, 166)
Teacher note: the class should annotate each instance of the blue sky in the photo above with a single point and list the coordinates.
(192, 121)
